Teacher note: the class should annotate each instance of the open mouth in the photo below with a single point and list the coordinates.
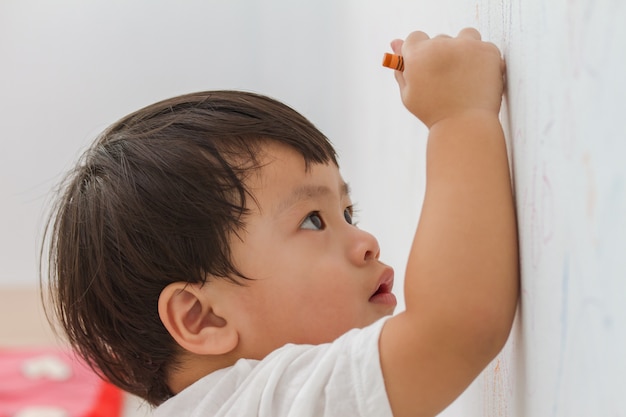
(383, 294)
(383, 288)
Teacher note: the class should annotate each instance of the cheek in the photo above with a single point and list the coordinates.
(312, 307)
(296, 279)
(319, 278)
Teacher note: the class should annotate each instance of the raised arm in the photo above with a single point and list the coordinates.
(462, 277)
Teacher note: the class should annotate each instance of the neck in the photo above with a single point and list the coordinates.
(190, 368)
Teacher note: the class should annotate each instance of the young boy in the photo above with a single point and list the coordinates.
(203, 255)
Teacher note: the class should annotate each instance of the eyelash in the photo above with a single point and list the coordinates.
(353, 214)
(349, 214)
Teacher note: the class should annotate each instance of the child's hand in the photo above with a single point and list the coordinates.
(444, 77)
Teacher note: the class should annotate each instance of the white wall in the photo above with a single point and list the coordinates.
(71, 68)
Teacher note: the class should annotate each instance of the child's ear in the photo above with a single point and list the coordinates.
(188, 315)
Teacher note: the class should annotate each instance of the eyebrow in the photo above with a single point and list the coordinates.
(309, 192)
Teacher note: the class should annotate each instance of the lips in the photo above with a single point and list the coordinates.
(383, 294)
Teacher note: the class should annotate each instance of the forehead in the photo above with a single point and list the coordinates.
(284, 178)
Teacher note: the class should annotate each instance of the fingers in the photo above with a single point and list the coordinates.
(396, 46)
(469, 33)
(472, 33)
(464, 33)
(414, 38)
(417, 36)
(407, 47)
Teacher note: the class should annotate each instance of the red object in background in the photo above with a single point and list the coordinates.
(44, 381)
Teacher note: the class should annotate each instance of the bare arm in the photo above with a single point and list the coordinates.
(462, 276)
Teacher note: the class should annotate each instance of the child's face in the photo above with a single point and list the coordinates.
(315, 275)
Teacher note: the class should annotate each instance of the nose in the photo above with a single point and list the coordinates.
(363, 247)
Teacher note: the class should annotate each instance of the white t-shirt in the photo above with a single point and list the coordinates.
(339, 379)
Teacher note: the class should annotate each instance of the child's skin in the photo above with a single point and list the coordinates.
(462, 276)
(316, 275)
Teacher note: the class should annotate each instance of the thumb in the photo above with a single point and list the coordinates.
(396, 46)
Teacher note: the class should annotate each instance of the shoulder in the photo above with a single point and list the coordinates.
(333, 379)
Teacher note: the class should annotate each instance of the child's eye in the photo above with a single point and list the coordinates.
(313, 222)
(347, 214)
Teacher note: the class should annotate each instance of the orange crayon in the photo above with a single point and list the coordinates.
(393, 61)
